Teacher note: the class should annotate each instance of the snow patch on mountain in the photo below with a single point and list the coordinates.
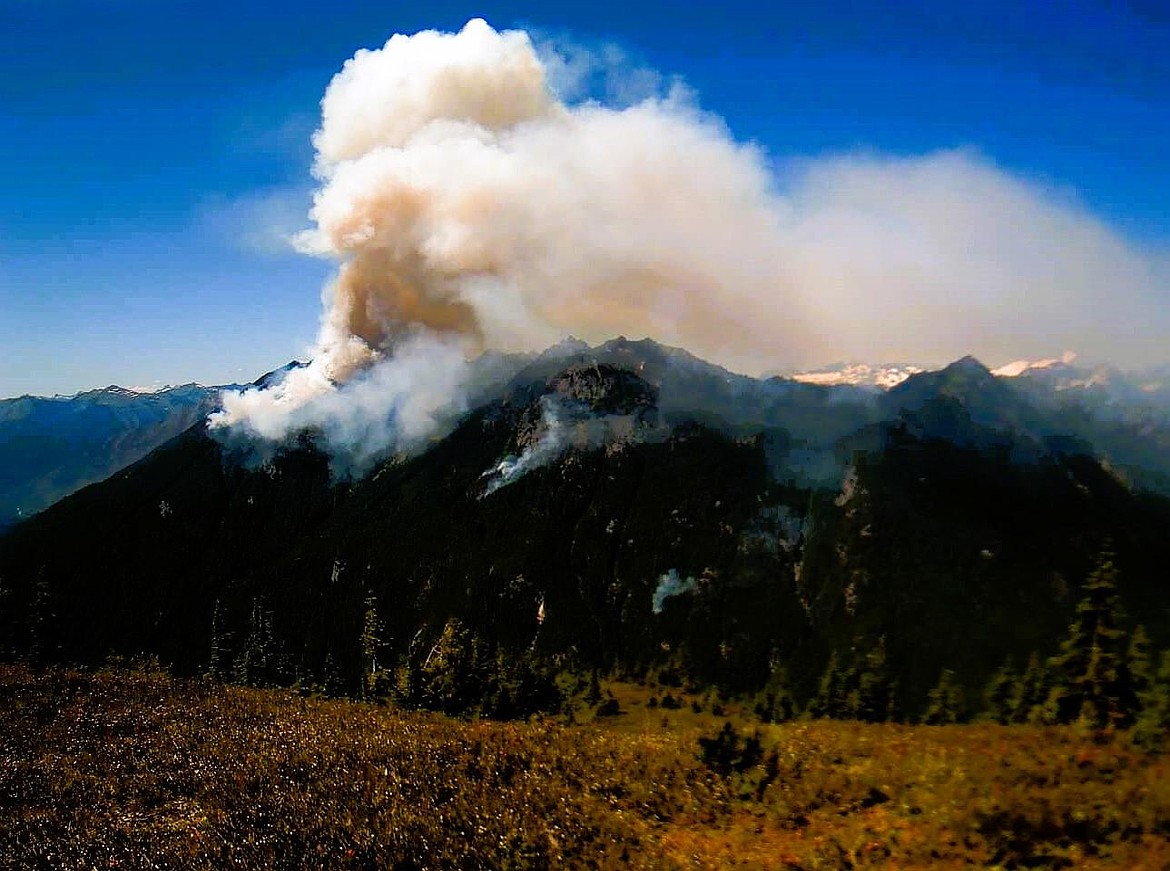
(1018, 367)
(883, 376)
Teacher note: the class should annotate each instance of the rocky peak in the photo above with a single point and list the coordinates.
(604, 389)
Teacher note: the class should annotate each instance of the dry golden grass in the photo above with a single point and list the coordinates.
(136, 770)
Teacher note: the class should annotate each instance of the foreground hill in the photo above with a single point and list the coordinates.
(135, 770)
(626, 508)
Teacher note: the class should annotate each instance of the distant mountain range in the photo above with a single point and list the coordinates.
(627, 506)
(857, 374)
(52, 446)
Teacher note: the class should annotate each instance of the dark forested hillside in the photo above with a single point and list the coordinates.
(620, 536)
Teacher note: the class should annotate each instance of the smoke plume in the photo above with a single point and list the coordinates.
(471, 209)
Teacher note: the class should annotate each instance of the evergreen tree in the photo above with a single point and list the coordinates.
(1153, 723)
(39, 620)
(1137, 675)
(829, 700)
(518, 686)
(213, 664)
(1028, 695)
(256, 663)
(334, 685)
(593, 697)
(862, 690)
(371, 644)
(454, 676)
(997, 696)
(8, 622)
(945, 702)
(775, 703)
(1089, 670)
(875, 688)
(772, 706)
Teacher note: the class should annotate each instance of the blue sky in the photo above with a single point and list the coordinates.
(152, 150)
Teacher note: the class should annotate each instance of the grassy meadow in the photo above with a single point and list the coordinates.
(136, 770)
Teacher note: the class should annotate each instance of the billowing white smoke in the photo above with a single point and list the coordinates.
(399, 403)
(471, 209)
(463, 197)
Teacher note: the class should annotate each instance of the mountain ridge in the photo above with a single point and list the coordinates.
(985, 540)
(52, 446)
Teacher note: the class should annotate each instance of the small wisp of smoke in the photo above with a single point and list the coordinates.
(566, 425)
(671, 584)
(552, 442)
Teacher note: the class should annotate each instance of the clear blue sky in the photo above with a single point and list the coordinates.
(150, 149)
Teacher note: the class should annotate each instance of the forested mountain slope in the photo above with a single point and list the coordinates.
(957, 533)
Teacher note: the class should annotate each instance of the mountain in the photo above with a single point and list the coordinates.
(883, 376)
(273, 378)
(965, 404)
(1125, 416)
(799, 423)
(1105, 390)
(625, 507)
(52, 446)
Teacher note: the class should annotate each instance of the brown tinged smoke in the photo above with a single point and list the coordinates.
(471, 209)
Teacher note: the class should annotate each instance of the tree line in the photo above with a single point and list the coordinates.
(1104, 676)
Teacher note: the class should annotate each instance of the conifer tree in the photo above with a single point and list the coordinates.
(7, 621)
(593, 697)
(334, 686)
(256, 663)
(1089, 669)
(997, 696)
(945, 702)
(829, 698)
(1031, 690)
(875, 688)
(213, 664)
(371, 644)
(1137, 676)
(862, 690)
(775, 703)
(1153, 722)
(453, 677)
(39, 619)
